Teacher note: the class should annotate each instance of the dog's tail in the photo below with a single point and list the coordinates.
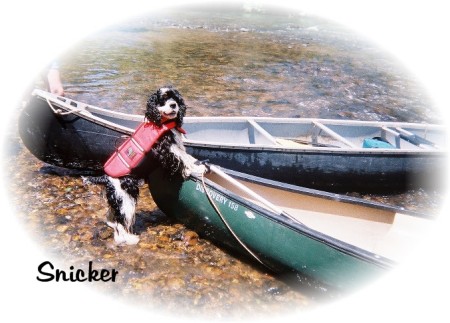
(103, 179)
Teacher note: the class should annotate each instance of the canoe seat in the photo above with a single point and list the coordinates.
(289, 143)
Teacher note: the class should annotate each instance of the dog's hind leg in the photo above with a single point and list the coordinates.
(122, 194)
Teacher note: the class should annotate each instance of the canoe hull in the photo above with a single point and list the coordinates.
(282, 245)
(330, 170)
(66, 140)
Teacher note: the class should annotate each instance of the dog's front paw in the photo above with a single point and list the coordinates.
(200, 169)
(197, 170)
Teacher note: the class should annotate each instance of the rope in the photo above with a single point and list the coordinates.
(59, 112)
(211, 201)
(246, 190)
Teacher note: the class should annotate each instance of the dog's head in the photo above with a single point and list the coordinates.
(166, 104)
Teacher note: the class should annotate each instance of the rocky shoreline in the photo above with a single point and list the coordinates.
(170, 269)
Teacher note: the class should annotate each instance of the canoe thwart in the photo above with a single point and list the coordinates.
(333, 134)
(260, 130)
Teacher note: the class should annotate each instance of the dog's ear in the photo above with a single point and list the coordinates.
(152, 113)
(182, 107)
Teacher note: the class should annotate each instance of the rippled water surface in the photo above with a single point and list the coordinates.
(244, 63)
(231, 63)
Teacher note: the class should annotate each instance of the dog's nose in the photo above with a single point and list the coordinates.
(173, 105)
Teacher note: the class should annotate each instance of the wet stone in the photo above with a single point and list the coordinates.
(62, 228)
(190, 238)
(175, 283)
(105, 232)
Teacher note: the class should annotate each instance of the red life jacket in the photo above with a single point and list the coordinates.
(133, 150)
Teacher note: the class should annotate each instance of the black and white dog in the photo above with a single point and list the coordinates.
(168, 152)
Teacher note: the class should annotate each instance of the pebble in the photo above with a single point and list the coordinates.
(105, 233)
(62, 228)
(86, 236)
(190, 238)
(175, 283)
(146, 245)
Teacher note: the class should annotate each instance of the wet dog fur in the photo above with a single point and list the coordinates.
(168, 152)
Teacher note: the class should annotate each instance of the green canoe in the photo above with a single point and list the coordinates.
(342, 242)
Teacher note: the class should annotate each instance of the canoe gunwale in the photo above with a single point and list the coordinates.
(343, 122)
(324, 194)
(87, 110)
(312, 150)
(318, 123)
(331, 242)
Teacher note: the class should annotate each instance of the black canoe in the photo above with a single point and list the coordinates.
(316, 153)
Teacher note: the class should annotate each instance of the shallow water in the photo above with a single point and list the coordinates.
(240, 63)
(233, 62)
